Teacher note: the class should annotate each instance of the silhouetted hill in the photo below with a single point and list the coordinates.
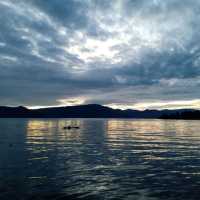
(94, 111)
(13, 111)
(185, 114)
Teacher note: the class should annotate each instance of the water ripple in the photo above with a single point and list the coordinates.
(104, 159)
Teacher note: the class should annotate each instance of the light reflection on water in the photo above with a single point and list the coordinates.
(104, 159)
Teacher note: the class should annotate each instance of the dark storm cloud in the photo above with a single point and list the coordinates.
(119, 52)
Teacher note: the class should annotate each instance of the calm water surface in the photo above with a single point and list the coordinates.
(104, 159)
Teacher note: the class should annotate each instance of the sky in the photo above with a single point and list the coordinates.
(135, 54)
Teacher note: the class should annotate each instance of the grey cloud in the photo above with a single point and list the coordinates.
(70, 13)
(121, 52)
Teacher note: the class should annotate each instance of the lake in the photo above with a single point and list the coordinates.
(104, 159)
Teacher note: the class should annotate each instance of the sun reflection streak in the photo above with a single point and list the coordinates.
(150, 138)
(47, 131)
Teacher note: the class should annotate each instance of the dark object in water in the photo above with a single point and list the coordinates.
(76, 127)
(70, 127)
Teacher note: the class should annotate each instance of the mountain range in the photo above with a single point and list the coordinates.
(94, 111)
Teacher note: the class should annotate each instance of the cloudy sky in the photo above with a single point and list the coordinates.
(122, 53)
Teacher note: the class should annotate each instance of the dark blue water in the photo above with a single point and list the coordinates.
(104, 159)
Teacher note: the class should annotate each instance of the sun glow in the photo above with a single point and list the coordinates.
(71, 101)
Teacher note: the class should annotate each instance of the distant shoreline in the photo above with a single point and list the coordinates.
(98, 112)
(76, 118)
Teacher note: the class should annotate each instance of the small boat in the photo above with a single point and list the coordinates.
(70, 127)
